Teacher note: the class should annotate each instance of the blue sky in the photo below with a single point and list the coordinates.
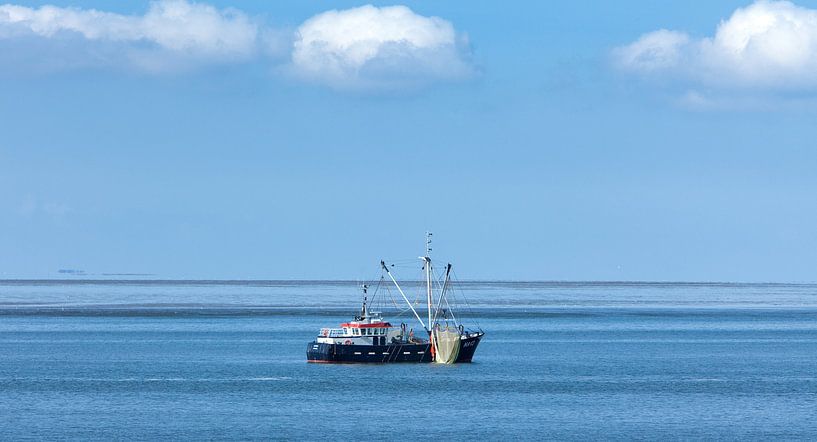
(537, 140)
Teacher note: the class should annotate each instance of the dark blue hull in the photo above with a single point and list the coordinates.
(339, 353)
(469, 347)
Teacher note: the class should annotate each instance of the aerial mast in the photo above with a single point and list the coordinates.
(427, 261)
(363, 312)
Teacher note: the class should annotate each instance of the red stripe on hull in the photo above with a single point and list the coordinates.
(377, 325)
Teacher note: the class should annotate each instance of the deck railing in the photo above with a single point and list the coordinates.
(332, 333)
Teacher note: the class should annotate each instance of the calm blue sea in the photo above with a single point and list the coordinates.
(226, 360)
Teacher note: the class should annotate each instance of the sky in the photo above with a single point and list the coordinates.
(630, 140)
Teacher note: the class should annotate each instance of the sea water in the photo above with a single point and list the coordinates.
(226, 360)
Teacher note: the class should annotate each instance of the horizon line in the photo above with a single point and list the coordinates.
(228, 281)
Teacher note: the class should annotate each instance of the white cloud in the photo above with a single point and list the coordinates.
(366, 48)
(374, 48)
(170, 33)
(766, 46)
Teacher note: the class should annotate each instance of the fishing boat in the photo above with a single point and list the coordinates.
(369, 338)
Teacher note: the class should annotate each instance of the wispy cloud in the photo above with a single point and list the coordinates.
(379, 48)
(658, 50)
(32, 206)
(768, 46)
(170, 34)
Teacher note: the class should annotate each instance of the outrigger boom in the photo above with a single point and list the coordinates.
(383, 264)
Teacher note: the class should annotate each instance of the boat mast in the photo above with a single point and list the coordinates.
(442, 295)
(427, 260)
(363, 312)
